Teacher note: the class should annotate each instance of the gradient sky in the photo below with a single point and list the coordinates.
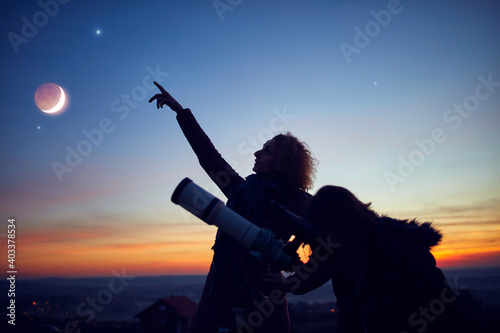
(397, 110)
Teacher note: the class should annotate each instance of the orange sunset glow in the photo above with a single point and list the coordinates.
(110, 109)
(184, 248)
(90, 187)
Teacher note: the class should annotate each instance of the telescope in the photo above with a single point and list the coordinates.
(262, 243)
(303, 231)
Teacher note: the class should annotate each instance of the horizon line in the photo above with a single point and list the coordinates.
(33, 278)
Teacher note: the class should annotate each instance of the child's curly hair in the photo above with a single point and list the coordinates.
(295, 164)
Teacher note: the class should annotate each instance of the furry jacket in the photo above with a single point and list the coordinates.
(393, 287)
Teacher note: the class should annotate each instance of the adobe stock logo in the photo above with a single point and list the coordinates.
(265, 309)
(426, 315)
(429, 145)
(29, 29)
(94, 137)
(104, 297)
(246, 148)
(221, 6)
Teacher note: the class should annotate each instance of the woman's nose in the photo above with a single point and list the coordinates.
(257, 153)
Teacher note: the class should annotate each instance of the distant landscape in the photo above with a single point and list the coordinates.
(110, 304)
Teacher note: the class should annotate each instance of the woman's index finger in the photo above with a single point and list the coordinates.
(160, 87)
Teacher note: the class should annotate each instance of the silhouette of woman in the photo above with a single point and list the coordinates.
(382, 271)
(284, 171)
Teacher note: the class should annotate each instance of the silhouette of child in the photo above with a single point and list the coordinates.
(382, 271)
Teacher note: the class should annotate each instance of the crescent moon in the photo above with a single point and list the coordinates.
(59, 104)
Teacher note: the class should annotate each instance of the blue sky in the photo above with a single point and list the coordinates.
(247, 70)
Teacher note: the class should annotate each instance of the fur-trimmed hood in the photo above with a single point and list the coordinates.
(409, 231)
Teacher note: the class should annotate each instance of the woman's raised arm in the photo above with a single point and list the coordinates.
(224, 176)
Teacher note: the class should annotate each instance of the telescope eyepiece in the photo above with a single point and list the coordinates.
(300, 228)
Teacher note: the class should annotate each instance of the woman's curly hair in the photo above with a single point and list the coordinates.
(295, 163)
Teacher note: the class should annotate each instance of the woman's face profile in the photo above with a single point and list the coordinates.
(266, 160)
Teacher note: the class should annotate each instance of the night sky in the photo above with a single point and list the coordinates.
(398, 100)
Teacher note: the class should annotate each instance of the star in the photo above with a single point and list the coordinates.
(375, 83)
(38, 127)
(98, 31)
